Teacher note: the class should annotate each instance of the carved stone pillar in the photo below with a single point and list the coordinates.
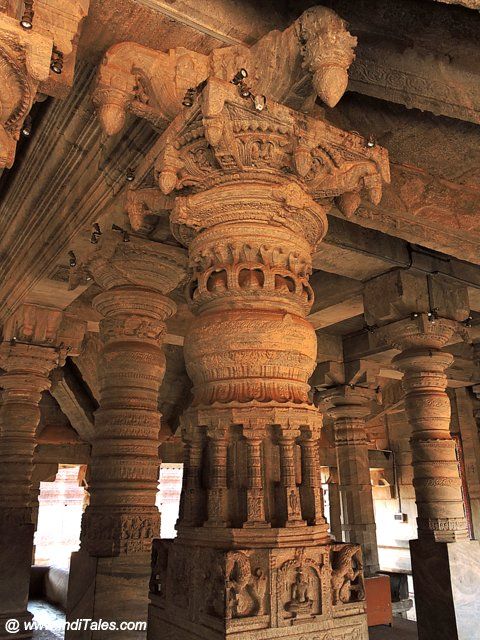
(436, 477)
(35, 342)
(349, 407)
(255, 559)
(121, 519)
(420, 338)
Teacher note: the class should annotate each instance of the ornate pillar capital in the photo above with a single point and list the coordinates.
(420, 331)
(36, 338)
(223, 140)
(126, 261)
(346, 401)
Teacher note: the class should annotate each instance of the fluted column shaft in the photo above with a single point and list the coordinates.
(217, 490)
(436, 479)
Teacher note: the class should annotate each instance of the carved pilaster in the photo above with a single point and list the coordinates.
(217, 489)
(311, 487)
(288, 484)
(192, 497)
(254, 435)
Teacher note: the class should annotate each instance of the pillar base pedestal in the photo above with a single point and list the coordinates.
(116, 586)
(445, 578)
(7, 621)
(288, 592)
(16, 546)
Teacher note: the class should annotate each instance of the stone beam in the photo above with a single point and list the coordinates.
(400, 61)
(336, 298)
(65, 215)
(429, 211)
(62, 453)
(74, 402)
(408, 75)
(358, 252)
(61, 194)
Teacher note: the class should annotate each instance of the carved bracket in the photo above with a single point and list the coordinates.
(309, 58)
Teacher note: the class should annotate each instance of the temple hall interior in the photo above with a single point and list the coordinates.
(240, 319)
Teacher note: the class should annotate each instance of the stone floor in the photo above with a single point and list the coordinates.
(53, 621)
(49, 617)
(401, 630)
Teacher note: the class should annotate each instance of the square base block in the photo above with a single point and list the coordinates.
(313, 593)
(108, 590)
(16, 545)
(446, 578)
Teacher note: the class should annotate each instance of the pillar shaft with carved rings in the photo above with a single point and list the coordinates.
(436, 476)
(122, 517)
(36, 340)
(349, 406)
(438, 487)
(121, 520)
(27, 368)
(251, 208)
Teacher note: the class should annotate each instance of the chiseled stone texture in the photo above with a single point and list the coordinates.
(111, 589)
(446, 578)
(256, 593)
